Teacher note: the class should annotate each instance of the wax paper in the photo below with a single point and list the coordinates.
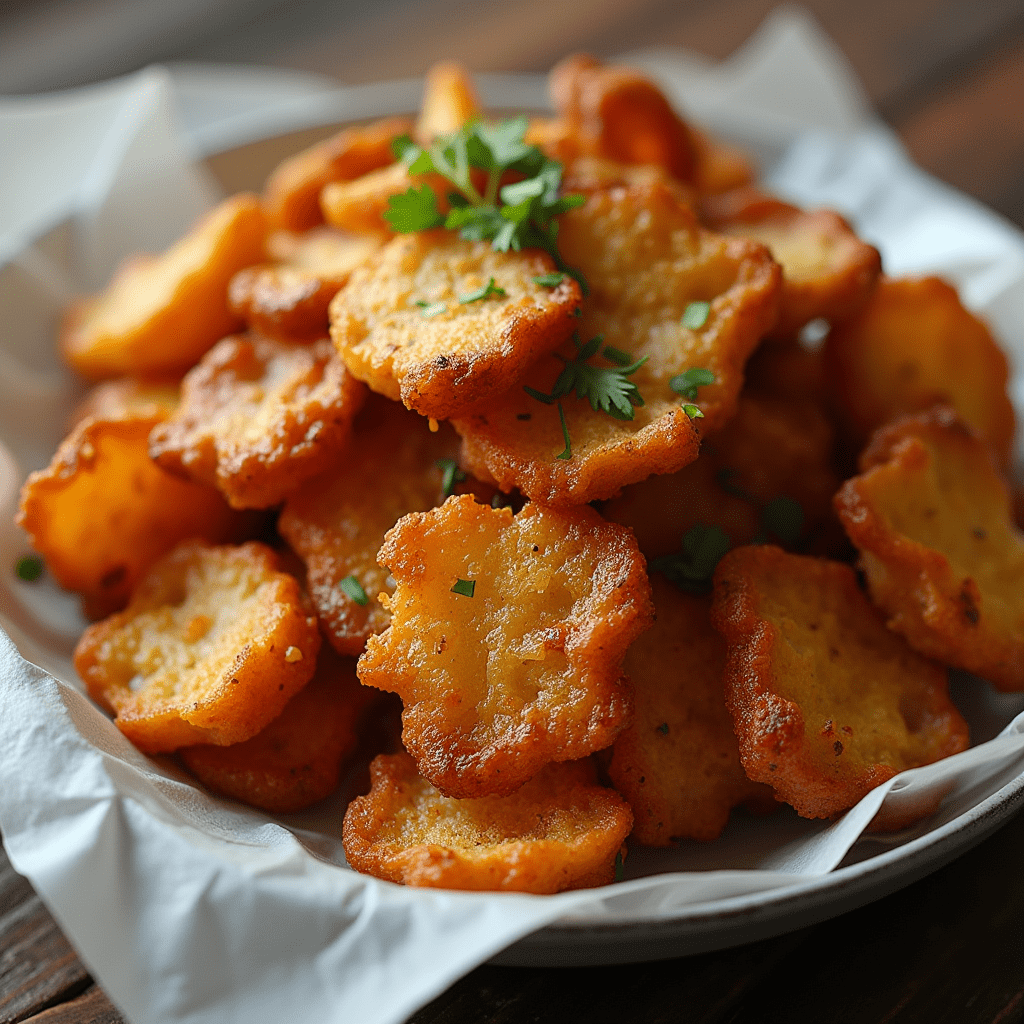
(191, 908)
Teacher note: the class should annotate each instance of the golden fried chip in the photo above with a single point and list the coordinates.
(932, 519)
(449, 101)
(827, 271)
(827, 703)
(336, 522)
(125, 397)
(560, 831)
(258, 417)
(296, 760)
(324, 252)
(678, 764)
(213, 644)
(443, 324)
(592, 174)
(102, 512)
(647, 262)
(161, 313)
(718, 167)
(915, 345)
(291, 197)
(506, 639)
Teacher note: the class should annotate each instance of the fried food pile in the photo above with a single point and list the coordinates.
(529, 422)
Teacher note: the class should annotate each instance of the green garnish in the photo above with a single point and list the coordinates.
(663, 728)
(687, 382)
(693, 566)
(616, 356)
(354, 589)
(517, 216)
(431, 308)
(566, 452)
(483, 292)
(696, 315)
(29, 568)
(450, 475)
(464, 587)
(552, 280)
(782, 517)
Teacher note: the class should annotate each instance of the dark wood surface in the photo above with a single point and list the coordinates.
(948, 75)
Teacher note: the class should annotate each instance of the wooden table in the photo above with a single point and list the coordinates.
(948, 76)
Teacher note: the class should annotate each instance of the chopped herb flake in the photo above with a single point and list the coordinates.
(693, 566)
(29, 568)
(696, 315)
(663, 728)
(552, 280)
(464, 587)
(450, 475)
(566, 453)
(687, 382)
(414, 210)
(432, 308)
(354, 590)
(483, 292)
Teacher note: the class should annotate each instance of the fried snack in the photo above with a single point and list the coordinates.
(646, 259)
(826, 702)
(520, 663)
(560, 831)
(324, 252)
(914, 345)
(258, 417)
(932, 519)
(678, 764)
(291, 196)
(827, 271)
(161, 313)
(449, 101)
(102, 512)
(213, 644)
(416, 326)
(297, 759)
(591, 174)
(719, 167)
(336, 522)
(125, 397)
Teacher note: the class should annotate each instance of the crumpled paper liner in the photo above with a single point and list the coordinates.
(189, 908)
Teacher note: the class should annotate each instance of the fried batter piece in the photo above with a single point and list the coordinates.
(102, 512)
(125, 397)
(336, 522)
(161, 313)
(932, 519)
(521, 663)
(719, 167)
(678, 764)
(646, 260)
(827, 271)
(826, 702)
(449, 101)
(414, 326)
(213, 644)
(258, 417)
(914, 345)
(291, 196)
(297, 759)
(560, 831)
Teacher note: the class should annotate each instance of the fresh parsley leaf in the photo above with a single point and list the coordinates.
(429, 309)
(450, 475)
(483, 292)
(414, 210)
(464, 587)
(687, 382)
(353, 589)
(29, 568)
(696, 315)
(663, 728)
(783, 518)
(552, 280)
(693, 411)
(403, 147)
(566, 453)
(692, 567)
(616, 356)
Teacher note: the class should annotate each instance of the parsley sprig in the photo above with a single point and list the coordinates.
(520, 215)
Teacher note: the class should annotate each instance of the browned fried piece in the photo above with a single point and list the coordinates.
(408, 327)
(336, 522)
(932, 519)
(560, 831)
(324, 252)
(296, 760)
(788, 369)
(291, 197)
(126, 396)
(161, 313)
(591, 174)
(526, 670)
(719, 167)
(914, 345)
(678, 764)
(616, 112)
(827, 271)
(449, 101)
(258, 417)
(646, 259)
(826, 702)
(772, 448)
(213, 644)
(102, 512)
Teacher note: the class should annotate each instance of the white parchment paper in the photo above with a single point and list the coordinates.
(189, 908)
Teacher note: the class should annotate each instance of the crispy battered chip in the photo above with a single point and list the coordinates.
(827, 703)
(646, 260)
(258, 417)
(102, 512)
(161, 313)
(291, 197)
(213, 644)
(827, 271)
(126, 397)
(336, 522)
(932, 519)
(678, 764)
(449, 101)
(912, 346)
(719, 167)
(560, 831)
(506, 639)
(296, 760)
(324, 252)
(421, 326)
(592, 174)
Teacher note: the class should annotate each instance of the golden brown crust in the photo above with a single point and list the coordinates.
(282, 302)
(931, 516)
(525, 671)
(449, 101)
(560, 831)
(826, 702)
